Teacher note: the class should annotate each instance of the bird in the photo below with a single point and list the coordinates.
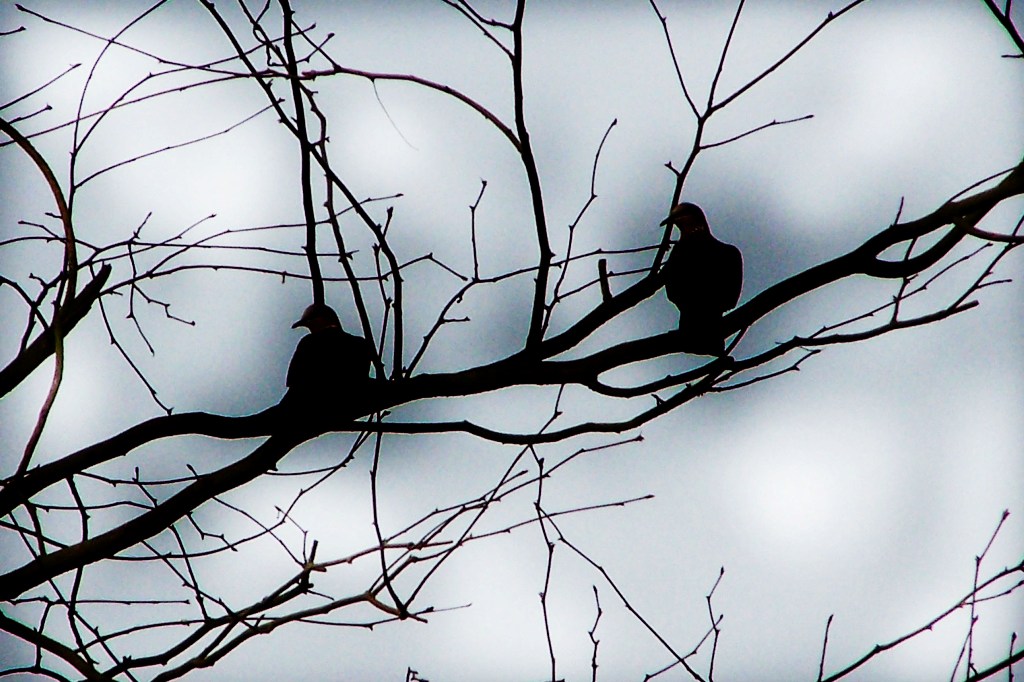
(330, 369)
(703, 278)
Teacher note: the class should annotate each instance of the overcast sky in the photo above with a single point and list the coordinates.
(862, 486)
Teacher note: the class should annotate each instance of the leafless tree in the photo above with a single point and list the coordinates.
(74, 521)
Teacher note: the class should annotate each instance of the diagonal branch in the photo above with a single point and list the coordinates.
(67, 317)
(17, 490)
(48, 566)
(526, 368)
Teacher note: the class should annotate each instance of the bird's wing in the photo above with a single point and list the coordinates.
(732, 276)
(676, 273)
(302, 362)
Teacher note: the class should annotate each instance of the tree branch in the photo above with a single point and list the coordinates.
(67, 318)
(540, 290)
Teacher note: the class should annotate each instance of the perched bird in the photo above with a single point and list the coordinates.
(703, 277)
(330, 370)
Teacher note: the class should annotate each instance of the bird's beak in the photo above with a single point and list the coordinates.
(300, 323)
(665, 221)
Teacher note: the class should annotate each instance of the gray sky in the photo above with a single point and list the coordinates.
(862, 486)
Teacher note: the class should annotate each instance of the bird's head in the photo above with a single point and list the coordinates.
(689, 218)
(316, 317)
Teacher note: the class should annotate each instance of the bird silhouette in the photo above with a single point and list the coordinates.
(330, 369)
(703, 277)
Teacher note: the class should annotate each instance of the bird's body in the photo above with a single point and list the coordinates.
(703, 278)
(329, 359)
(330, 369)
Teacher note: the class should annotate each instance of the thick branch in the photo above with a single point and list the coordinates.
(527, 368)
(15, 491)
(662, 407)
(68, 316)
(964, 214)
(1004, 664)
(540, 290)
(66, 654)
(103, 546)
